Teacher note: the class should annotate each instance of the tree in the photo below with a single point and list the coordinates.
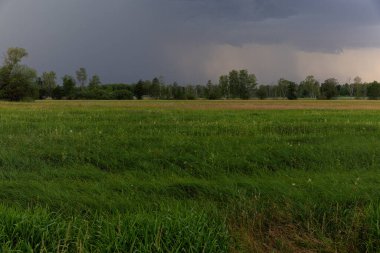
(328, 88)
(154, 89)
(247, 83)
(190, 92)
(17, 81)
(49, 82)
(212, 91)
(262, 92)
(238, 84)
(94, 82)
(139, 89)
(282, 87)
(178, 91)
(14, 56)
(22, 84)
(224, 86)
(82, 76)
(233, 79)
(68, 86)
(122, 94)
(291, 92)
(58, 92)
(345, 90)
(373, 90)
(359, 89)
(309, 87)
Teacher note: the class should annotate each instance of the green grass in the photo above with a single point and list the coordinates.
(143, 177)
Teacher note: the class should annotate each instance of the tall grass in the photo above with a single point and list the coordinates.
(36, 230)
(166, 177)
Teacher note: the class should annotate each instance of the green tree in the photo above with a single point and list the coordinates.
(49, 82)
(178, 91)
(81, 76)
(68, 86)
(291, 92)
(154, 89)
(94, 82)
(213, 91)
(247, 83)
(14, 56)
(262, 92)
(139, 89)
(238, 84)
(309, 88)
(22, 84)
(329, 88)
(17, 81)
(58, 92)
(359, 88)
(190, 92)
(282, 87)
(373, 90)
(224, 86)
(233, 80)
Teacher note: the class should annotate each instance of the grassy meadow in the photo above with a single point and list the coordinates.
(190, 176)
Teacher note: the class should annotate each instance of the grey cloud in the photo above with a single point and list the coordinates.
(124, 40)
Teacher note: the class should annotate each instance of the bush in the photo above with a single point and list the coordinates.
(96, 94)
(122, 94)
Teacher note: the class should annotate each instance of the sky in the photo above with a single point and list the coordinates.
(192, 41)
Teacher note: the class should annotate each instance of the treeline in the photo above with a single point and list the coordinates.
(311, 88)
(20, 82)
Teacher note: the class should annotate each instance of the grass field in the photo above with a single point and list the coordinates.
(190, 176)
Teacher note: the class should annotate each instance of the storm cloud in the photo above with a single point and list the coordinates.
(196, 40)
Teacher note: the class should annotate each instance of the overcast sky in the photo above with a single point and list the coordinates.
(196, 40)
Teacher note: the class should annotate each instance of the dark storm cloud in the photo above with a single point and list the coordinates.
(124, 40)
(324, 25)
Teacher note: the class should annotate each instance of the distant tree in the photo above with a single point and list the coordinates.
(350, 87)
(262, 92)
(282, 87)
(213, 91)
(94, 82)
(18, 82)
(58, 92)
(154, 89)
(309, 88)
(200, 91)
(373, 90)
(329, 88)
(139, 89)
(68, 86)
(14, 56)
(359, 88)
(22, 84)
(358, 79)
(247, 83)
(178, 91)
(81, 76)
(49, 82)
(234, 81)
(291, 92)
(344, 90)
(238, 84)
(224, 86)
(122, 94)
